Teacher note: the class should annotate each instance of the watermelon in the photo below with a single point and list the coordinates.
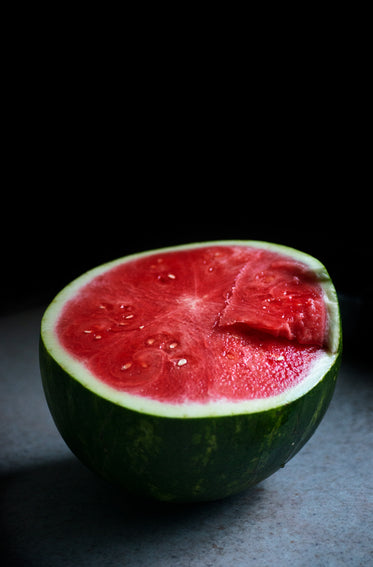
(193, 372)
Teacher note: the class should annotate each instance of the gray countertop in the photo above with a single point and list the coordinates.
(317, 511)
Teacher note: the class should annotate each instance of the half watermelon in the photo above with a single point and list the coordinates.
(193, 372)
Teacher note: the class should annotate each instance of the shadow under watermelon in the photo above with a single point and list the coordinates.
(60, 513)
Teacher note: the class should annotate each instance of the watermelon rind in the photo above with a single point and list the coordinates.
(184, 452)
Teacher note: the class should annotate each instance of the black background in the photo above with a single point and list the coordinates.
(91, 175)
(119, 146)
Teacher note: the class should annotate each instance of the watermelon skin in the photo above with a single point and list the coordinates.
(180, 459)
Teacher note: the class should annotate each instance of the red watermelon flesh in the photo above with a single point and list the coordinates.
(199, 324)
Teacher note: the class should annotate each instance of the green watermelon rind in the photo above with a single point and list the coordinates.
(180, 460)
(183, 455)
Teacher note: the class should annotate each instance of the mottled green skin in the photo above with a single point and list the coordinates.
(181, 460)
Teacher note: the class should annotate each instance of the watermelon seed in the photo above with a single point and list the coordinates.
(97, 336)
(171, 276)
(87, 331)
(150, 341)
(126, 306)
(126, 366)
(182, 361)
(172, 345)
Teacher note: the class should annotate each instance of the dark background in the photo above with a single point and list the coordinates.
(102, 161)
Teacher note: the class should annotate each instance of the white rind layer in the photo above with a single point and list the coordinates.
(220, 407)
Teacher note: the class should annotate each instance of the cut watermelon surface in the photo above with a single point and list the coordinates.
(158, 365)
(198, 325)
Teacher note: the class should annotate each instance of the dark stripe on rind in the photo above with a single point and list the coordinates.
(172, 459)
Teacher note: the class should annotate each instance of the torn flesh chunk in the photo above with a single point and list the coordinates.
(278, 297)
